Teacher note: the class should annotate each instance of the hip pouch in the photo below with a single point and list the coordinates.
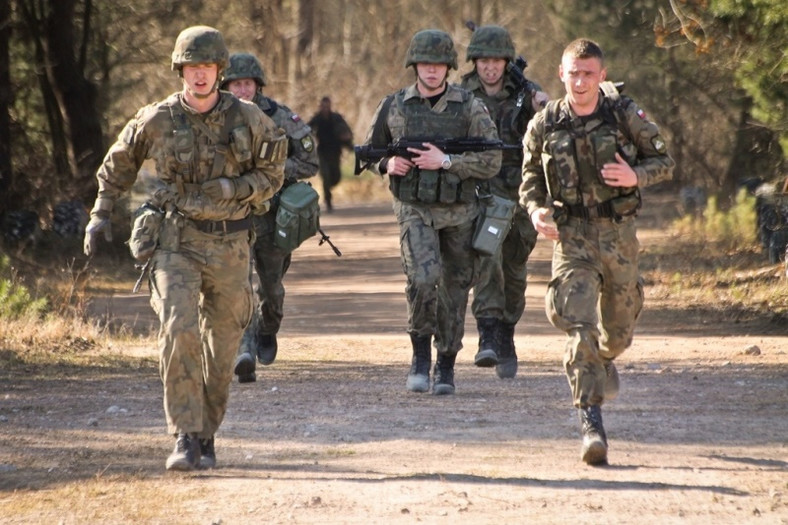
(298, 216)
(493, 224)
(145, 231)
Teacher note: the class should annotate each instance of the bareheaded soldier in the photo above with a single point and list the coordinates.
(218, 159)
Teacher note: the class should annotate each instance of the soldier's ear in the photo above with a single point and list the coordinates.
(603, 74)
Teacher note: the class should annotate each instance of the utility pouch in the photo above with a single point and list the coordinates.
(449, 188)
(428, 186)
(298, 216)
(467, 191)
(170, 237)
(405, 188)
(604, 150)
(493, 224)
(145, 231)
(626, 205)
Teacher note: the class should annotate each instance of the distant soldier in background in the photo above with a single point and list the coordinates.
(218, 159)
(333, 134)
(245, 78)
(499, 295)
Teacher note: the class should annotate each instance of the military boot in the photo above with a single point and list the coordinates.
(419, 375)
(207, 453)
(611, 381)
(244, 368)
(594, 450)
(186, 455)
(266, 348)
(487, 356)
(444, 375)
(507, 357)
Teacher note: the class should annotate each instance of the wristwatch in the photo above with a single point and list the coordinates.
(446, 164)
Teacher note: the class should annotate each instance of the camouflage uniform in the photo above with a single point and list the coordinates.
(499, 295)
(199, 273)
(271, 262)
(435, 237)
(595, 294)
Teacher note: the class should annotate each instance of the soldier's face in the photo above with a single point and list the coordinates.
(200, 79)
(431, 78)
(243, 88)
(581, 78)
(490, 70)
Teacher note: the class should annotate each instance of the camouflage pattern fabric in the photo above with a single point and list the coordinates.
(500, 290)
(199, 281)
(270, 261)
(595, 294)
(435, 239)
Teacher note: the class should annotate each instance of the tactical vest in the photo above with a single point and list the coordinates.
(433, 186)
(574, 152)
(232, 146)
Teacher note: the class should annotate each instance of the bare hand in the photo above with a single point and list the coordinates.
(543, 222)
(398, 166)
(429, 158)
(619, 173)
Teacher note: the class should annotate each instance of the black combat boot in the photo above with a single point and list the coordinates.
(419, 375)
(594, 450)
(444, 375)
(208, 453)
(186, 455)
(611, 382)
(507, 357)
(487, 356)
(244, 368)
(266, 349)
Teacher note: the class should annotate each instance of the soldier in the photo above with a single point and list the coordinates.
(217, 160)
(435, 202)
(333, 134)
(245, 79)
(499, 295)
(586, 156)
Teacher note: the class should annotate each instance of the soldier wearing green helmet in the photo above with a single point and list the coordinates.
(217, 161)
(245, 78)
(435, 202)
(499, 295)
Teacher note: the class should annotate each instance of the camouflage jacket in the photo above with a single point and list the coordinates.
(302, 160)
(564, 153)
(511, 122)
(188, 149)
(477, 165)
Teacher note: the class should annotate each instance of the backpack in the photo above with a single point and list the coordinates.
(298, 216)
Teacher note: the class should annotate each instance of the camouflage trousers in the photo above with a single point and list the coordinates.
(440, 267)
(203, 298)
(595, 296)
(500, 289)
(271, 263)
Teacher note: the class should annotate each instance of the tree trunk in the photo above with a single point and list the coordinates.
(6, 174)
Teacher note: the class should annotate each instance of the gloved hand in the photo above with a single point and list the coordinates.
(98, 224)
(222, 188)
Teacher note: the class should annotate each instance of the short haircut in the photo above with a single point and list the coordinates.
(584, 48)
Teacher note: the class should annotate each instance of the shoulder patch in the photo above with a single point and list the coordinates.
(295, 118)
(307, 143)
(641, 114)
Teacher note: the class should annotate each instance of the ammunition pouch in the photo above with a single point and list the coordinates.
(145, 231)
(172, 225)
(431, 186)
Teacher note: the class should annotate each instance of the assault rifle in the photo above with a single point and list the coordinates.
(367, 155)
(516, 69)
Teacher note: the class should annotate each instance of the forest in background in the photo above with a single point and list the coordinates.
(711, 73)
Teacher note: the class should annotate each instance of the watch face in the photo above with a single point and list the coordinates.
(446, 163)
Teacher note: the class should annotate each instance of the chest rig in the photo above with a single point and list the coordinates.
(433, 186)
(575, 150)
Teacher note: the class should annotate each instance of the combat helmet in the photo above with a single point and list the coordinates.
(491, 42)
(431, 46)
(199, 45)
(244, 65)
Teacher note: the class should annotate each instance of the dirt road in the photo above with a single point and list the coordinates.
(328, 434)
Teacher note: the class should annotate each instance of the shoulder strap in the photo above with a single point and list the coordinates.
(617, 102)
